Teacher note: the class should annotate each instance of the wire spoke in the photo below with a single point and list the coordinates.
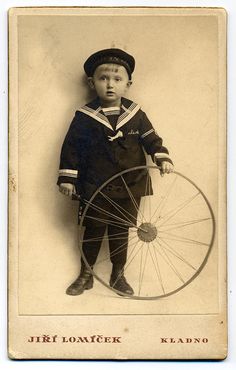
(106, 237)
(127, 264)
(130, 254)
(157, 268)
(142, 272)
(118, 207)
(140, 269)
(183, 224)
(119, 249)
(145, 196)
(149, 198)
(162, 202)
(180, 238)
(123, 222)
(169, 262)
(176, 254)
(101, 210)
(132, 197)
(107, 222)
(174, 211)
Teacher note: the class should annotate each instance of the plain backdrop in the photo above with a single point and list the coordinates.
(8, 364)
(175, 82)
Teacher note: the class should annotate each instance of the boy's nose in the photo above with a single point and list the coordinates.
(110, 84)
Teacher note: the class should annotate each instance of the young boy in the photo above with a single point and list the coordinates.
(105, 137)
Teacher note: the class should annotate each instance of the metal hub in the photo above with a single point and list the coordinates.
(147, 232)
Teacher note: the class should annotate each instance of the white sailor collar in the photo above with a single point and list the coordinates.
(94, 110)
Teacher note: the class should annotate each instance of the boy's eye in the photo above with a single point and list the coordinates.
(103, 78)
(118, 79)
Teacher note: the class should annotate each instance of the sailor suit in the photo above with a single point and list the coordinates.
(100, 143)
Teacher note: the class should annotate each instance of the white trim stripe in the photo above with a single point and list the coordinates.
(126, 112)
(96, 117)
(112, 113)
(110, 109)
(91, 110)
(147, 133)
(124, 108)
(96, 112)
(161, 155)
(68, 173)
(123, 115)
(122, 122)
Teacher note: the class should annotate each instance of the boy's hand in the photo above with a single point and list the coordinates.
(166, 167)
(67, 189)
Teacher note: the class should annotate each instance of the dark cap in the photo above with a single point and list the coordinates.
(115, 56)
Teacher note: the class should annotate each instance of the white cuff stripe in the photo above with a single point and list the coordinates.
(68, 173)
(147, 133)
(161, 155)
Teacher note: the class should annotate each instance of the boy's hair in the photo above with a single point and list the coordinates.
(112, 56)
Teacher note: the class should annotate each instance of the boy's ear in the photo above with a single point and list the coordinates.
(129, 83)
(91, 83)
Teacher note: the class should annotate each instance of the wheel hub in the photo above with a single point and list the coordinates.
(147, 232)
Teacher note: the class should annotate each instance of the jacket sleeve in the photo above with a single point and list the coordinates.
(70, 156)
(152, 142)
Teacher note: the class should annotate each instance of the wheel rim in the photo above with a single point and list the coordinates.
(171, 241)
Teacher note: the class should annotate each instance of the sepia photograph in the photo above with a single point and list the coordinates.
(117, 183)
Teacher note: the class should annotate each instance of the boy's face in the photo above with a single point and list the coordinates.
(111, 82)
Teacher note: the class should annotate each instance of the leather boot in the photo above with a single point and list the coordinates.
(118, 281)
(82, 283)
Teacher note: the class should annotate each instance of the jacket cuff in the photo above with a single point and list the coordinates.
(66, 179)
(158, 158)
(67, 176)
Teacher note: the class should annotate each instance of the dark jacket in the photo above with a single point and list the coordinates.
(93, 151)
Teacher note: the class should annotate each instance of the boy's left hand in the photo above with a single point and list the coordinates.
(166, 167)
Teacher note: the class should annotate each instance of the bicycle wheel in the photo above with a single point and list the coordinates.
(170, 231)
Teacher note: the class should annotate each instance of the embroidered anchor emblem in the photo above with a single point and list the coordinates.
(119, 134)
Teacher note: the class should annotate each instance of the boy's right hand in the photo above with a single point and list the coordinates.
(67, 189)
